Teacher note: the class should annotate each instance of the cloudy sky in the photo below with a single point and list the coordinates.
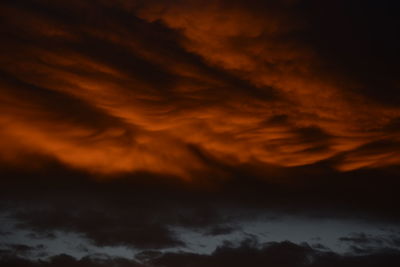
(172, 133)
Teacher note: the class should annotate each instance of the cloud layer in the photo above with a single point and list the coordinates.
(179, 87)
(124, 121)
(248, 253)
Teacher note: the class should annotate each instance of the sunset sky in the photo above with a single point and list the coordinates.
(173, 133)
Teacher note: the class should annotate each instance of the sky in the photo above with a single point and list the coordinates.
(155, 133)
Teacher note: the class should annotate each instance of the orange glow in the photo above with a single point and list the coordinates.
(141, 124)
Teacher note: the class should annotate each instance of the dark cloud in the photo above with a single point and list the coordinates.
(139, 211)
(276, 254)
(41, 235)
(22, 250)
(221, 230)
(366, 244)
(66, 260)
(3, 233)
(360, 238)
(103, 217)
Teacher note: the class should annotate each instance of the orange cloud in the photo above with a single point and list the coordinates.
(107, 97)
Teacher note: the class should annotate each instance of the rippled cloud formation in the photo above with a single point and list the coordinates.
(183, 87)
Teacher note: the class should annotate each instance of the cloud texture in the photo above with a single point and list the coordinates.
(116, 87)
(130, 123)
